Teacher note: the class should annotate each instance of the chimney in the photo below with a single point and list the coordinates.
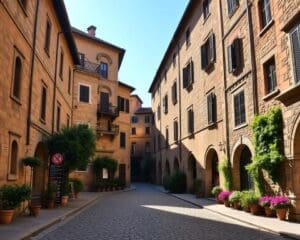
(92, 30)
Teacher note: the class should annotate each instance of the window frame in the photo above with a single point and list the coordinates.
(90, 92)
(103, 72)
(264, 22)
(122, 137)
(211, 108)
(188, 75)
(208, 52)
(188, 37)
(240, 123)
(43, 110)
(174, 92)
(58, 116)
(133, 131)
(61, 64)
(206, 10)
(17, 77)
(234, 55)
(190, 121)
(48, 36)
(234, 5)
(270, 79)
(295, 67)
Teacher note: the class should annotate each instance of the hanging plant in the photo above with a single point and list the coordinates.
(268, 140)
(32, 161)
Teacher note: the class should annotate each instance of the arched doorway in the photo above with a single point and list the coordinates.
(40, 174)
(245, 178)
(167, 168)
(295, 186)
(159, 173)
(192, 172)
(212, 173)
(176, 165)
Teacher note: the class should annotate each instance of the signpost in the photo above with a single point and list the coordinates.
(56, 173)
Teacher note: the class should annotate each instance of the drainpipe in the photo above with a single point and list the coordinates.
(225, 84)
(31, 73)
(73, 90)
(179, 104)
(252, 57)
(55, 81)
(160, 149)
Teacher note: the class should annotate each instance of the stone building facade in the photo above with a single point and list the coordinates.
(142, 164)
(101, 101)
(37, 72)
(249, 65)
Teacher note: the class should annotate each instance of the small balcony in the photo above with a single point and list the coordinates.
(110, 129)
(107, 110)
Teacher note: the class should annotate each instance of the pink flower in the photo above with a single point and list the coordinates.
(224, 195)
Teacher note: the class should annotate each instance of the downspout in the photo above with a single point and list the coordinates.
(72, 93)
(225, 85)
(252, 57)
(160, 134)
(55, 81)
(179, 105)
(31, 73)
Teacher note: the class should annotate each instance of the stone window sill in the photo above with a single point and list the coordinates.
(240, 126)
(265, 29)
(12, 177)
(271, 94)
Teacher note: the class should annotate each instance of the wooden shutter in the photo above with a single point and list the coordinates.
(203, 57)
(167, 137)
(122, 140)
(166, 104)
(209, 109)
(295, 38)
(175, 126)
(236, 111)
(212, 53)
(104, 98)
(229, 53)
(127, 105)
(190, 121)
(184, 78)
(237, 53)
(119, 103)
(174, 92)
(242, 107)
(191, 72)
(214, 107)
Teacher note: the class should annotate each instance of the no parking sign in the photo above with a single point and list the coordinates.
(57, 159)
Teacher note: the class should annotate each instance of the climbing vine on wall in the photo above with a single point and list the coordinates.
(268, 140)
(225, 168)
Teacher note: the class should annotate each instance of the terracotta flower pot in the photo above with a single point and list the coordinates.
(268, 212)
(246, 209)
(35, 210)
(6, 216)
(76, 194)
(254, 209)
(64, 200)
(226, 203)
(50, 204)
(236, 205)
(281, 213)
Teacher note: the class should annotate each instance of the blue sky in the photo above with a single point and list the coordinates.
(143, 27)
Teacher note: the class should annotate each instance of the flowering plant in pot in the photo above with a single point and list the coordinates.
(78, 186)
(10, 198)
(216, 191)
(281, 204)
(265, 202)
(223, 196)
(251, 199)
(235, 198)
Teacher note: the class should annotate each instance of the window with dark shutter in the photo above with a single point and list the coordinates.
(208, 52)
(122, 140)
(188, 75)
(190, 121)
(184, 77)
(127, 105)
(47, 36)
(167, 136)
(133, 131)
(158, 112)
(84, 94)
(187, 37)
(103, 70)
(211, 108)
(232, 5)
(265, 12)
(295, 40)
(61, 66)
(239, 109)
(175, 126)
(174, 60)
(270, 75)
(81, 59)
(205, 8)
(165, 104)
(234, 55)
(16, 88)
(174, 92)
(58, 117)
(43, 103)
(69, 81)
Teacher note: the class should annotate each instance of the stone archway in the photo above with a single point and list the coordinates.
(211, 169)
(192, 172)
(295, 213)
(40, 174)
(241, 158)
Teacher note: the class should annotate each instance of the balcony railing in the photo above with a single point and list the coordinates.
(109, 110)
(110, 129)
(89, 66)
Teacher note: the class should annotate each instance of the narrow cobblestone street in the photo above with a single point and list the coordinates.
(146, 213)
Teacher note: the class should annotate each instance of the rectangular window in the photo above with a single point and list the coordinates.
(270, 75)
(211, 108)
(188, 75)
(133, 148)
(123, 104)
(205, 8)
(174, 93)
(167, 136)
(69, 81)
(147, 147)
(165, 104)
(147, 119)
(61, 66)
(175, 126)
(295, 42)
(84, 93)
(234, 55)
(158, 112)
(134, 119)
(58, 117)
(265, 12)
(103, 70)
(147, 130)
(43, 103)
(188, 37)
(122, 140)
(48, 36)
(208, 52)
(239, 109)
(190, 121)
(81, 59)
(133, 131)
(232, 5)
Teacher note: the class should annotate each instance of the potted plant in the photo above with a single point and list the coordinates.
(216, 191)
(32, 162)
(197, 187)
(281, 204)
(265, 202)
(251, 200)
(235, 198)
(65, 193)
(78, 186)
(10, 198)
(224, 196)
(50, 194)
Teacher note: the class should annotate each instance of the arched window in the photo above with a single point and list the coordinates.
(17, 78)
(13, 158)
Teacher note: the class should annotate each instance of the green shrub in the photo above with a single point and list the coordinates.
(51, 191)
(178, 182)
(105, 162)
(235, 196)
(77, 183)
(32, 161)
(225, 168)
(216, 191)
(248, 198)
(12, 196)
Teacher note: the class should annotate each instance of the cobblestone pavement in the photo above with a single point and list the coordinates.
(149, 214)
